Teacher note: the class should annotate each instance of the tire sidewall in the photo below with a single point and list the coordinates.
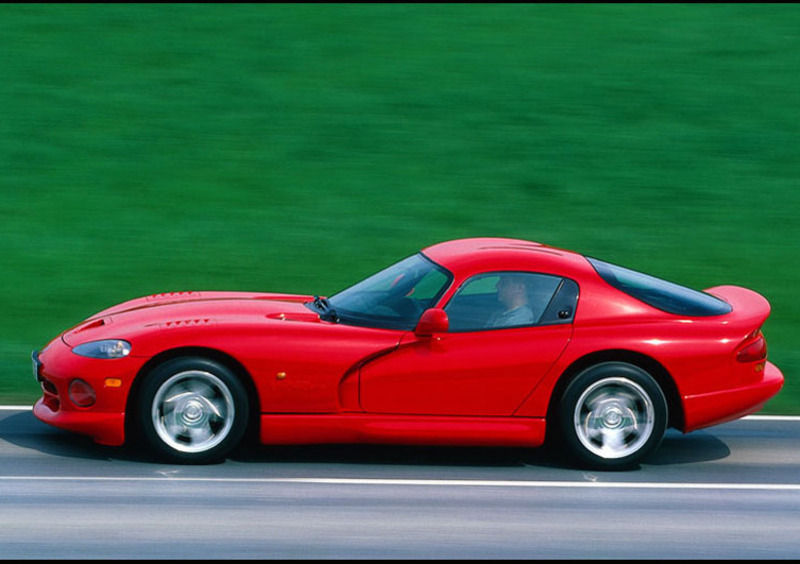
(157, 378)
(566, 413)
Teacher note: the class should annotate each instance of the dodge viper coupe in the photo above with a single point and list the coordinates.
(483, 341)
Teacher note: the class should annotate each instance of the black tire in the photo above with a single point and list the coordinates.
(192, 410)
(611, 416)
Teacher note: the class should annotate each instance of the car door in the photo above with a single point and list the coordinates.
(477, 368)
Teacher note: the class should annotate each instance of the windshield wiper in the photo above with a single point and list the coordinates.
(327, 313)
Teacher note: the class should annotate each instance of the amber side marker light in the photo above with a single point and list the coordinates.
(113, 383)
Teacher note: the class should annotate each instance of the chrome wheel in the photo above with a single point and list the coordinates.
(193, 411)
(614, 417)
(611, 415)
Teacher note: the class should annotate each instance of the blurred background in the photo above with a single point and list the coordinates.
(280, 147)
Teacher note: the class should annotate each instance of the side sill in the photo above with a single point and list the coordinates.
(359, 428)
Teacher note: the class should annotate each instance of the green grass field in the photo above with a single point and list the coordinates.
(154, 148)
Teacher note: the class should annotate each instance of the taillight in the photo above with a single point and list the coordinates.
(754, 351)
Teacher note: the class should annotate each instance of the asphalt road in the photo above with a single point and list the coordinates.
(732, 491)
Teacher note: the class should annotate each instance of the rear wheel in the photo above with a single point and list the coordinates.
(612, 415)
(192, 410)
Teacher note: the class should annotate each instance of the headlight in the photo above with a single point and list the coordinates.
(111, 348)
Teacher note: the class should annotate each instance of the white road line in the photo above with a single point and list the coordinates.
(772, 418)
(400, 482)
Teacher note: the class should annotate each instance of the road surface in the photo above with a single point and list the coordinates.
(731, 491)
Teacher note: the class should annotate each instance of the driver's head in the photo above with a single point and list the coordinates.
(511, 290)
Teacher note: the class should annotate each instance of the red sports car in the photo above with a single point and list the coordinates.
(483, 341)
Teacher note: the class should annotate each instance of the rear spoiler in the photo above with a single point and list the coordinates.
(750, 309)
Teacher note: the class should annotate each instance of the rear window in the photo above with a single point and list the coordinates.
(666, 296)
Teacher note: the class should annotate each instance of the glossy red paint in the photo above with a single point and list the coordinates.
(317, 379)
(473, 373)
(393, 429)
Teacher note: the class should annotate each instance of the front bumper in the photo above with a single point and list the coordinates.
(104, 428)
(56, 367)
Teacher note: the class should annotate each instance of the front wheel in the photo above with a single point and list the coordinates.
(612, 415)
(192, 410)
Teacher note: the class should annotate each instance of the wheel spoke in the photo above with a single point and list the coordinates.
(172, 400)
(174, 428)
(199, 435)
(214, 408)
(613, 441)
(200, 388)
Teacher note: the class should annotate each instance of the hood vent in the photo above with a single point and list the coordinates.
(187, 323)
(172, 296)
(92, 325)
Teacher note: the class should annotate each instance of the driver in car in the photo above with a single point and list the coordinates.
(513, 294)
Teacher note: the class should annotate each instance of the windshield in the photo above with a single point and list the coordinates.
(395, 297)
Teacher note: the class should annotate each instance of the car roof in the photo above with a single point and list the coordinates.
(464, 257)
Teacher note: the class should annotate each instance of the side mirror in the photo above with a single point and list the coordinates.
(433, 320)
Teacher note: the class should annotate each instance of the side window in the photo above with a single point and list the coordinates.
(498, 300)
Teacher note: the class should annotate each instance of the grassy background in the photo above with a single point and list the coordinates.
(153, 148)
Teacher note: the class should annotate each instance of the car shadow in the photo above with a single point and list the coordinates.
(698, 446)
(395, 455)
(25, 431)
(676, 448)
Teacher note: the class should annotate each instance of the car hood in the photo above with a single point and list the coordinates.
(189, 309)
